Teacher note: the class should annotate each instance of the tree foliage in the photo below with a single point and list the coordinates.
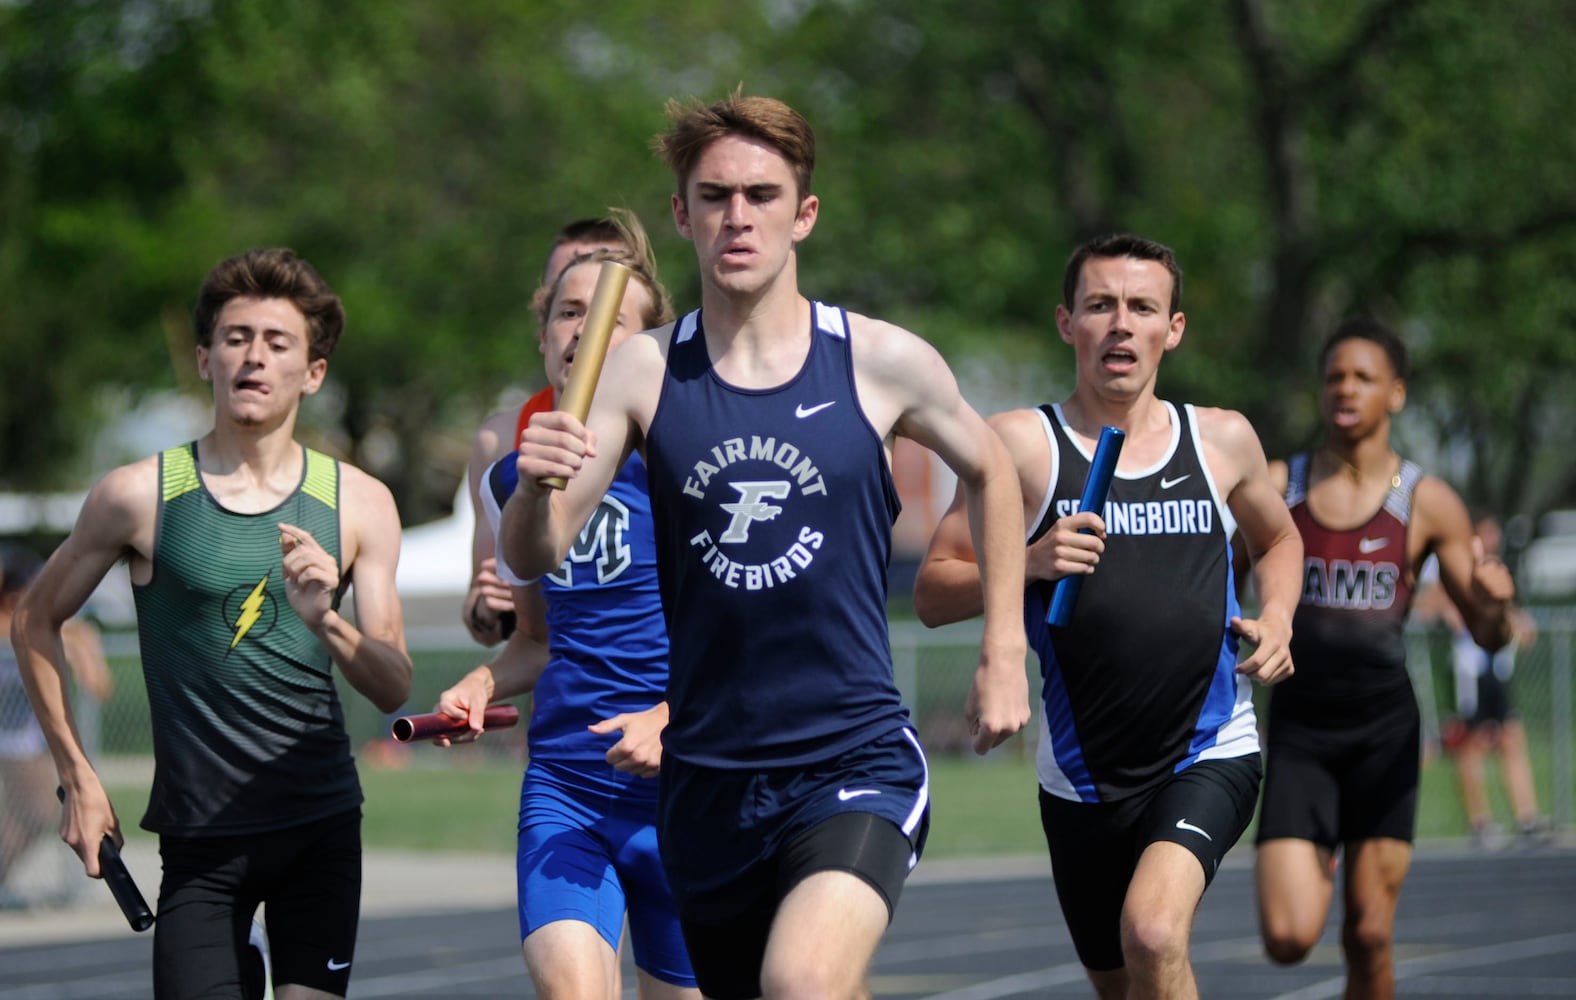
(1307, 158)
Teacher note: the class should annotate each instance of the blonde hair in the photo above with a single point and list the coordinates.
(635, 254)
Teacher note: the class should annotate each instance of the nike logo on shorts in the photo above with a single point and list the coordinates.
(1368, 545)
(845, 794)
(801, 411)
(334, 966)
(1183, 824)
(1166, 484)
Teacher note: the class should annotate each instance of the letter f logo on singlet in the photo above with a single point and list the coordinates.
(752, 507)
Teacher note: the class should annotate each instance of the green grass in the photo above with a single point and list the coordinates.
(421, 809)
(983, 806)
(980, 806)
(413, 809)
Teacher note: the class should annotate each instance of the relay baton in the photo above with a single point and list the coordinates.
(1101, 468)
(431, 725)
(595, 336)
(118, 878)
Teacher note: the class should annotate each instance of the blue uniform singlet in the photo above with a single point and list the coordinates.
(588, 845)
(1142, 683)
(774, 512)
(607, 639)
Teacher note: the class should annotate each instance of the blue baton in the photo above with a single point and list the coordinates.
(1101, 468)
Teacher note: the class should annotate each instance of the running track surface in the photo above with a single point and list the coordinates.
(1499, 925)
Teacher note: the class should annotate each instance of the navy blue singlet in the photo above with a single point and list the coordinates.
(774, 512)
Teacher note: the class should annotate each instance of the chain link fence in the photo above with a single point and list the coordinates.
(1541, 695)
(934, 669)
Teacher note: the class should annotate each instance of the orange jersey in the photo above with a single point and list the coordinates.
(539, 403)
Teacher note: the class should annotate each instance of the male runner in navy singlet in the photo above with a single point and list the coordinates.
(794, 793)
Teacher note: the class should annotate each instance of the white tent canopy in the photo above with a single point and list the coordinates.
(435, 558)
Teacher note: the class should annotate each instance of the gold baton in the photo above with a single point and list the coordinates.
(601, 317)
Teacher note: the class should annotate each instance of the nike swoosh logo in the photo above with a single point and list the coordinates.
(1183, 824)
(1367, 545)
(1166, 484)
(844, 794)
(334, 966)
(801, 411)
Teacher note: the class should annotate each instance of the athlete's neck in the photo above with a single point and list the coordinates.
(267, 463)
(1086, 413)
(757, 343)
(1370, 459)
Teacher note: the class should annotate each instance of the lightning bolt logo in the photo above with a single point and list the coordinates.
(251, 610)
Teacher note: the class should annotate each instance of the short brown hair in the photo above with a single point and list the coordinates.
(695, 126)
(1122, 245)
(604, 230)
(638, 257)
(274, 273)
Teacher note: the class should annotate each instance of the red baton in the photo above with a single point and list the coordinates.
(430, 725)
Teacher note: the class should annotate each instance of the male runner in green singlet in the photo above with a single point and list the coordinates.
(240, 545)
